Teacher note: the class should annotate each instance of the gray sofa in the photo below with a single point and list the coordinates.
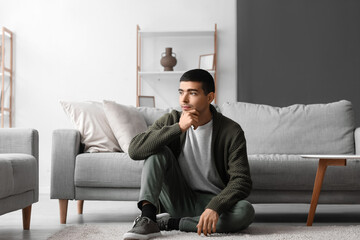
(19, 167)
(276, 137)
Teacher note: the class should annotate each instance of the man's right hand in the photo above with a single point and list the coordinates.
(188, 118)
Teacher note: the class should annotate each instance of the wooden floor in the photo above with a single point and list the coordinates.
(45, 216)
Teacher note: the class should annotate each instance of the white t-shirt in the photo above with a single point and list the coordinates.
(195, 160)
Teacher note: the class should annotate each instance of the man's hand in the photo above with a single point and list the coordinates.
(188, 118)
(207, 222)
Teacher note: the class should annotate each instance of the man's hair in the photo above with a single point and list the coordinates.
(200, 75)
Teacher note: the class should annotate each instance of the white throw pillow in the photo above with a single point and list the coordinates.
(89, 118)
(125, 121)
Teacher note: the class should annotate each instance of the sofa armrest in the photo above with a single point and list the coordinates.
(18, 140)
(357, 141)
(65, 147)
(22, 140)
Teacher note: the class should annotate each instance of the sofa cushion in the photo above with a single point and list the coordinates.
(18, 174)
(297, 129)
(6, 177)
(89, 118)
(107, 170)
(292, 172)
(152, 114)
(125, 121)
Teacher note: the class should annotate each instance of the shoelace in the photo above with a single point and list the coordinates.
(162, 224)
(140, 219)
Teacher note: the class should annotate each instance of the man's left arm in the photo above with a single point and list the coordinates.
(238, 187)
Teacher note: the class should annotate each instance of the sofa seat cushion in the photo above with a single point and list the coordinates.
(297, 129)
(292, 172)
(18, 174)
(107, 170)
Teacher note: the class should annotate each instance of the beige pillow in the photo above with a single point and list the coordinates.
(89, 118)
(125, 121)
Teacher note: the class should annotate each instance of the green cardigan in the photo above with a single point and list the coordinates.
(228, 151)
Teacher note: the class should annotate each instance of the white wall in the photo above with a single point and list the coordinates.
(86, 50)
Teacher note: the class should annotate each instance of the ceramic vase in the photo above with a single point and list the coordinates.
(168, 59)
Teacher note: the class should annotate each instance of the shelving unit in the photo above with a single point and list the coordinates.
(169, 73)
(6, 75)
(152, 73)
(174, 33)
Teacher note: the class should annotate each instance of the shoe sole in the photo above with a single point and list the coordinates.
(135, 236)
(161, 215)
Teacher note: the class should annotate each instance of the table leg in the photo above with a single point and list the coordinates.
(323, 163)
(316, 191)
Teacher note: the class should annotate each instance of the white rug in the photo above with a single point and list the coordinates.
(271, 232)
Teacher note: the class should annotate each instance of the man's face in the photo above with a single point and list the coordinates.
(192, 96)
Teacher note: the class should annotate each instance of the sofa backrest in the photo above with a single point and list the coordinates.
(297, 129)
(153, 114)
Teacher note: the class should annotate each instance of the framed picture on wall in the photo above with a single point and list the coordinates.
(146, 101)
(206, 61)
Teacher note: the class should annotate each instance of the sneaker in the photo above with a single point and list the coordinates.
(162, 221)
(144, 228)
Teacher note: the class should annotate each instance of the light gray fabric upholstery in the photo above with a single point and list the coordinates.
(65, 148)
(19, 167)
(292, 172)
(357, 141)
(275, 139)
(115, 170)
(153, 114)
(16, 202)
(6, 178)
(22, 171)
(298, 196)
(297, 129)
(112, 194)
(17, 140)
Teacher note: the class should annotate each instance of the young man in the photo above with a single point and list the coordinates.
(196, 168)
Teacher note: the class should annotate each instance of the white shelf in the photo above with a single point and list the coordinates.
(177, 33)
(166, 73)
(153, 73)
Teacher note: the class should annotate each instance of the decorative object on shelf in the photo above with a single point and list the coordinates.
(146, 101)
(168, 61)
(206, 61)
(202, 41)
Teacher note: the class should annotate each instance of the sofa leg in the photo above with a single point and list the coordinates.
(63, 203)
(26, 215)
(80, 206)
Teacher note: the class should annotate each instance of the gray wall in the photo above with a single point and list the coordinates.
(299, 51)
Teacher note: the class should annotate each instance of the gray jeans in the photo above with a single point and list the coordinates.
(163, 185)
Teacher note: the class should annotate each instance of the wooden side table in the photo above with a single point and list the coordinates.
(324, 161)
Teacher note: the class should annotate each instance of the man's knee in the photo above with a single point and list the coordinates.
(161, 158)
(245, 213)
(237, 218)
(248, 210)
